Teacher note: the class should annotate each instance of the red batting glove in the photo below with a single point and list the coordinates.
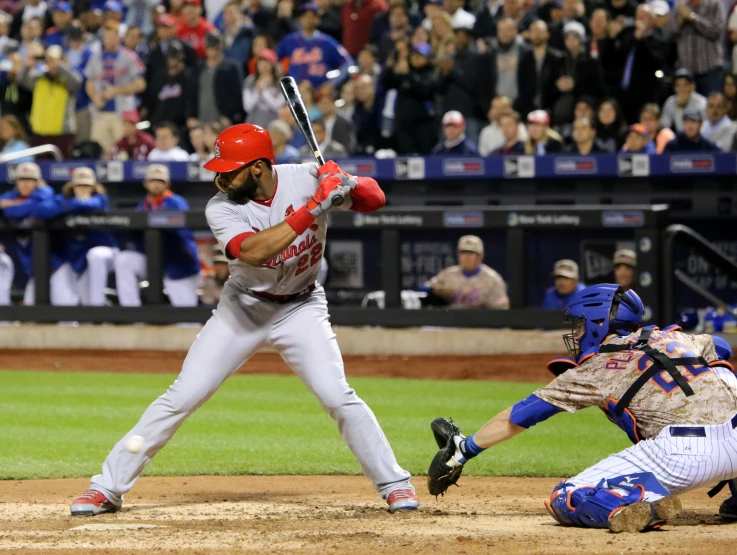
(329, 168)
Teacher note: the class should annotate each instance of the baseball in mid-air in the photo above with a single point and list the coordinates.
(134, 444)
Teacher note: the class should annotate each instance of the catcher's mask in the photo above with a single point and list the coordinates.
(598, 311)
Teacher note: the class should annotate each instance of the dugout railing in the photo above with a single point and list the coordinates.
(643, 224)
(678, 236)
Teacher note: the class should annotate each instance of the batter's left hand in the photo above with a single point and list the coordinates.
(327, 169)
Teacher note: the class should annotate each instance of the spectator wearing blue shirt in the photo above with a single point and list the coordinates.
(61, 15)
(691, 139)
(455, 142)
(13, 138)
(313, 55)
(181, 261)
(509, 124)
(638, 141)
(567, 284)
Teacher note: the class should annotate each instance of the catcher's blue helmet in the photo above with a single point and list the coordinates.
(597, 311)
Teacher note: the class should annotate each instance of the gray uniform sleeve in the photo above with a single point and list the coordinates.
(225, 220)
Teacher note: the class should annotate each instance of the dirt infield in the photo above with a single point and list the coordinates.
(519, 368)
(328, 514)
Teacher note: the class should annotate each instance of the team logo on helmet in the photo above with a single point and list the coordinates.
(217, 151)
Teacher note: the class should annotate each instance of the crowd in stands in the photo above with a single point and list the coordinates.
(465, 77)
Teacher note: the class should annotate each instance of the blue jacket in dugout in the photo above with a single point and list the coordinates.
(76, 243)
(180, 250)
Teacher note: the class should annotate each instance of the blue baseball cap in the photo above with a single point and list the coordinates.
(722, 348)
(422, 48)
(61, 7)
(114, 6)
(308, 7)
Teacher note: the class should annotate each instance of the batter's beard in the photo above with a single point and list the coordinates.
(245, 192)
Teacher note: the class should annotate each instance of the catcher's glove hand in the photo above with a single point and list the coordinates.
(446, 467)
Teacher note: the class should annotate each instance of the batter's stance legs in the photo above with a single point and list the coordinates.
(308, 345)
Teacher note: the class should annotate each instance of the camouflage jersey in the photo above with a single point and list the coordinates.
(602, 379)
(483, 289)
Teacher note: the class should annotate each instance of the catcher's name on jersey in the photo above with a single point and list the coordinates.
(601, 379)
(296, 267)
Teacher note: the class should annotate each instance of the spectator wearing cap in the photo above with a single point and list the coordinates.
(26, 200)
(625, 265)
(61, 15)
(513, 65)
(216, 94)
(139, 15)
(167, 97)
(566, 285)
(650, 119)
(414, 111)
(13, 138)
(542, 140)
(584, 138)
(381, 25)
(356, 17)
(212, 288)
(30, 10)
(181, 261)
(280, 136)
(54, 89)
(337, 128)
(165, 35)
(581, 74)
(466, 82)
(312, 55)
(367, 115)
(194, 28)
(548, 65)
(167, 145)
(638, 141)
(114, 78)
(509, 123)
(691, 139)
(135, 144)
(237, 34)
(471, 283)
(645, 52)
(329, 148)
(78, 53)
(571, 11)
(454, 141)
(262, 96)
(685, 98)
(701, 24)
(492, 136)
(717, 127)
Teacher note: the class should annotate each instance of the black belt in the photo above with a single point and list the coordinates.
(282, 299)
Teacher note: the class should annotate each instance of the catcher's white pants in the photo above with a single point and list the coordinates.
(7, 273)
(241, 324)
(130, 268)
(679, 463)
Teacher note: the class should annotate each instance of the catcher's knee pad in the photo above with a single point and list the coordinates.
(586, 506)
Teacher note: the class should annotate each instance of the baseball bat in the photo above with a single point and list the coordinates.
(297, 107)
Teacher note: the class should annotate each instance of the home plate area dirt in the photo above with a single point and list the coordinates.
(329, 514)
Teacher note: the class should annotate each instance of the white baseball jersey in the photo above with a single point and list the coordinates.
(295, 268)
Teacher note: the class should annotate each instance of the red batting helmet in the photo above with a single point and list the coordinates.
(240, 145)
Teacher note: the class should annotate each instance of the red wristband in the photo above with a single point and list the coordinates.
(300, 220)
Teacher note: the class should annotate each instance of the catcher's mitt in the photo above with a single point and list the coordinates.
(447, 466)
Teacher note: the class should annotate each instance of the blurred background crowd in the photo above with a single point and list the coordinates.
(150, 80)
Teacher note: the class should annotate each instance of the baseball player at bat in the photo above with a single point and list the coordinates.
(674, 394)
(271, 222)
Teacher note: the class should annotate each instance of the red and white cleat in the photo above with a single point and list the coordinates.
(92, 502)
(403, 500)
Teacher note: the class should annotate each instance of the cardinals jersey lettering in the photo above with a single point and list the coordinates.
(296, 267)
(660, 402)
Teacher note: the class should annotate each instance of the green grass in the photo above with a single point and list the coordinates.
(55, 425)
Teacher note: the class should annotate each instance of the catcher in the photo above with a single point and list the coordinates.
(672, 393)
